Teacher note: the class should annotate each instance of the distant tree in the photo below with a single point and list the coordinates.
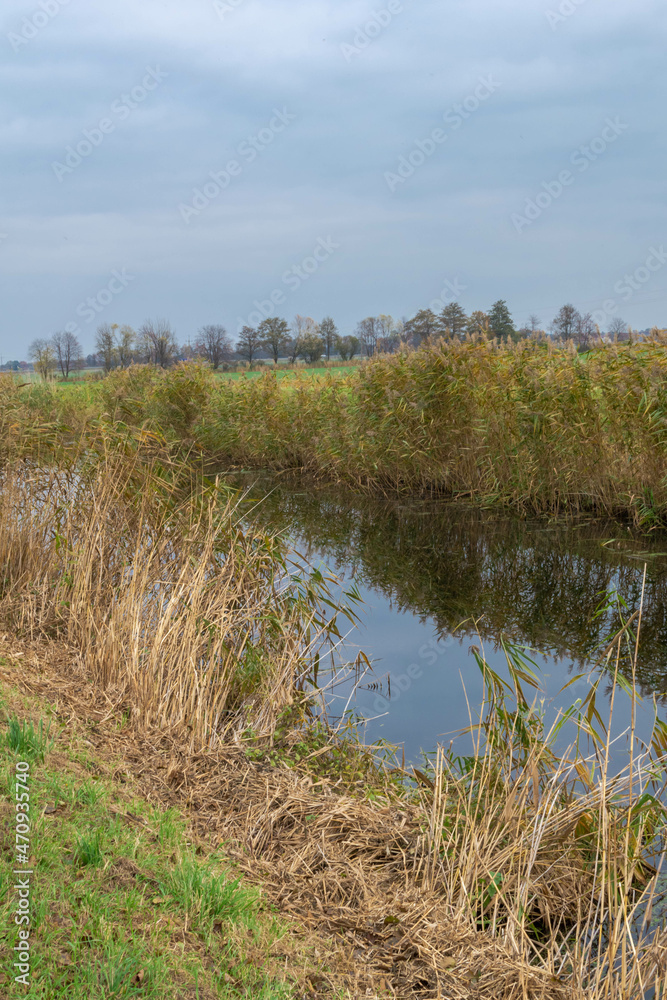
(533, 323)
(43, 357)
(92, 361)
(565, 322)
(311, 346)
(478, 324)
(585, 331)
(292, 349)
(618, 329)
(423, 326)
(368, 330)
(329, 334)
(249, 344)
(67, 350)
(347, 347)
(159, 342)
(453, 319)
(274, 336)
(302, 328)
(213, 344)
(388, 333)
(126, 339)
(500, 320)
(105, 345)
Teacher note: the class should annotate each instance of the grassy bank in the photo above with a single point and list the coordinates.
(530, 427)
(124, 902)
(508, 874)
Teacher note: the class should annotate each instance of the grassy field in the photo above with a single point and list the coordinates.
(281, 372)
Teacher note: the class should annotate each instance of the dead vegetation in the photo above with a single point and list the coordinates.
(146, 614)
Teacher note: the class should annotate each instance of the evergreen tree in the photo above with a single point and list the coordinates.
(500, 321)
(453, 319)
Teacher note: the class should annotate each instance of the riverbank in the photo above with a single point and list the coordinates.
(353, 901)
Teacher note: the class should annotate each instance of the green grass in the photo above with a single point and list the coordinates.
(26, 741)
(123, 905)
(281, 372)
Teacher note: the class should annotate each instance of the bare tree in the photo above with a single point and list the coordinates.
(67, 351)
(368, 331)
(43, 357)
(564, 323)
(533, 323)
(274, 335)
(159, 342)
(126, 338)
(585, 331)
(618, 329)
(329, 333)
(303, 327)
(388, 333)
(249, 344)
(214, 345)
(105, 345)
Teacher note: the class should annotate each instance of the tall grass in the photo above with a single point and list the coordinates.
(530, 426)
(175, 609)
(557, 856)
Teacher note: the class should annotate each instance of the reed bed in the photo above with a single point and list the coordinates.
(179, 612)
(529, 426)
(533, 427)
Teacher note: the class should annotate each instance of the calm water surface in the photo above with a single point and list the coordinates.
(437, 579)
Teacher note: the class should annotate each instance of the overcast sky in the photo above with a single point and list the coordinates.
(116, 114)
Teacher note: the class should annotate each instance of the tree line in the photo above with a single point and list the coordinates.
(305, 339)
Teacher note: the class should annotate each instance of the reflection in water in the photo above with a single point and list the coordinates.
(425, 569)
(539, 585)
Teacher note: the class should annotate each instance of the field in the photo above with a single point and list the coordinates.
(141, 613)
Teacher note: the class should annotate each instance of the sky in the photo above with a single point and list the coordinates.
(218, 161)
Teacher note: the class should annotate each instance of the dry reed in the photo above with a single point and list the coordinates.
(176, 608)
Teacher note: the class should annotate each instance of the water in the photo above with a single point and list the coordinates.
(437, 579)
